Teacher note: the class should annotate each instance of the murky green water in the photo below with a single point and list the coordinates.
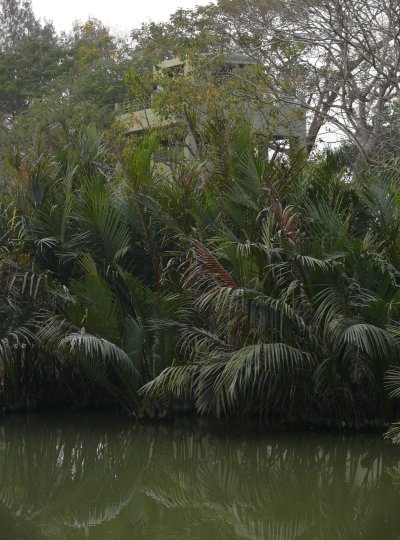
(100, 477)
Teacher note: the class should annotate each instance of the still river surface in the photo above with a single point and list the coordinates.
(103, 477)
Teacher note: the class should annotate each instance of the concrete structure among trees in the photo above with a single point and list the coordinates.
(282, 123)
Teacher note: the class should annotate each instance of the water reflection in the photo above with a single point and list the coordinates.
(101, 477)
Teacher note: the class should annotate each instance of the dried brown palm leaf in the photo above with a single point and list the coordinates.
(209, 264)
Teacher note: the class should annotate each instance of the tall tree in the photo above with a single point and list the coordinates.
(17, 21)
(72, 80)
(30, 57)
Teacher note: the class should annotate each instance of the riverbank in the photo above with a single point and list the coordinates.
(185, 412)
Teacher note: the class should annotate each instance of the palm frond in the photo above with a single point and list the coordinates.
(89, 346)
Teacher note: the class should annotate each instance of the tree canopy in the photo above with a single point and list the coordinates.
(339, 60)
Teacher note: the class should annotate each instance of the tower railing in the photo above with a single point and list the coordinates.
(134, 105)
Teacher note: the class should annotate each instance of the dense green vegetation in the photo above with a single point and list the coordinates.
(49, 80)
(239, 284)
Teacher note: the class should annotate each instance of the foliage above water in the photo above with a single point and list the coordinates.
(242, 281)
(235, 284)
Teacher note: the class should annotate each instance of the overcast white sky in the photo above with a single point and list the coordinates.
(122, 14)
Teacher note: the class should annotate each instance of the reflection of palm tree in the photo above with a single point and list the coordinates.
(280, 492)
(67, 477)
(124, 481)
